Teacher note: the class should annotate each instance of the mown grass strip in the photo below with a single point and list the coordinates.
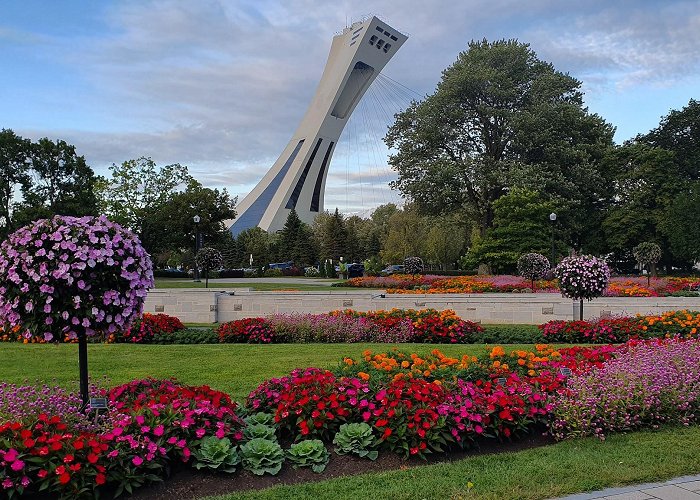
(551, 471)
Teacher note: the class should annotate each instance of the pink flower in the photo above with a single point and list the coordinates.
(158, 431)
(17, 465)
(137, 460)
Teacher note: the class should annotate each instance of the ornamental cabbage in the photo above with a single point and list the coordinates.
(262, 455)
(356, 438)
(217, 454)
(309, 453)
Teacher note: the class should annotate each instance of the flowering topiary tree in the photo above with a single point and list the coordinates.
(209, 258)
(648, 253)
(582, 277)
(533, 266)
(413, 265)
(73, 277)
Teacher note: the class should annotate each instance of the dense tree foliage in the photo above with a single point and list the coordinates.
(500, 118)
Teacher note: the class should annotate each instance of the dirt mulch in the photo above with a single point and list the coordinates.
(187, 483)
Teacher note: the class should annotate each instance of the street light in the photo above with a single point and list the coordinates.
(196, 219)
(553, 218)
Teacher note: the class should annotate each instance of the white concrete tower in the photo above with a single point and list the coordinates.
(298, 177)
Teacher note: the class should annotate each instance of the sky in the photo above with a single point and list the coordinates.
(220, 85)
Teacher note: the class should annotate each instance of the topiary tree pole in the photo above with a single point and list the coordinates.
(533, 266)
(582, 277)
(209, 258)
(648, 253)
(73, 278)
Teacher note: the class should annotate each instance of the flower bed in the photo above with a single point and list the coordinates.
(147, 329)
(621, 329)
(647, 384)
(401, 402)
(397, 325)
(150, 426)
(431, 284)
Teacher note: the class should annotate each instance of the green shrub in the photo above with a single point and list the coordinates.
(262, 455)
(508, 334)
(259, 431)
(261, 418)
(188, 336)
(217, 454)
(309, 453)
(355, 438)
(273, 273)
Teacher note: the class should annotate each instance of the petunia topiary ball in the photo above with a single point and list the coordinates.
(64, 276)
(582, 277)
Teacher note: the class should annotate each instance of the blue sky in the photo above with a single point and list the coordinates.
(221, 85)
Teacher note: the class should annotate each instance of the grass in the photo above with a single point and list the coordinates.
(258, 286)
(546, 472)
(233, 368)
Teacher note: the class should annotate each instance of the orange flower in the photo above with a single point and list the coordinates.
(364, 376)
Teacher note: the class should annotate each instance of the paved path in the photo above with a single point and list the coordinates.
(681, 488)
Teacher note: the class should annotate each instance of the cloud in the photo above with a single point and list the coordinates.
(221, 85)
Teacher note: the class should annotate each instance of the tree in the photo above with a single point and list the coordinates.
(15, 158)
(62, 183)
(406, 235)
(331, 234)
(255, 242)
(444, 242)
(296, 241)
(499, 118)
(679, 132)
(521, 225)
(645, 180)
(582, 277)
(533, 266)
(137, 188)
(169, 224)
(680, 225)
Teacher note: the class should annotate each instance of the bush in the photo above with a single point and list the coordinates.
(312, 272)
(273, 273)
(293, 271)
(261, 456)
(508, 334)
(209, 259)
(232, 273)
(170, 273)
(147, 327)
(309, 453)
(188, 336)
(246, 331)
(357, 439)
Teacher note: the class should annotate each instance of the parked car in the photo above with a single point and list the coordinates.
(392, 269)
(356, 270)
(281, 265)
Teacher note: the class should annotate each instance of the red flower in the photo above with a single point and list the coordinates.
(64, 478)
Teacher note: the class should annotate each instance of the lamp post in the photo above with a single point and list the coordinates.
(196, 219)
(553, 218)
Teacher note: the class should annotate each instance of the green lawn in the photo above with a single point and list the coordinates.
(568, 467)
(259, 286)
(232, 368)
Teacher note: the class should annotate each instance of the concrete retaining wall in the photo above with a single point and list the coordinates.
(210, 306)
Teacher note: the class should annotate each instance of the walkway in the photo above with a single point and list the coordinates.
(681, 488)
